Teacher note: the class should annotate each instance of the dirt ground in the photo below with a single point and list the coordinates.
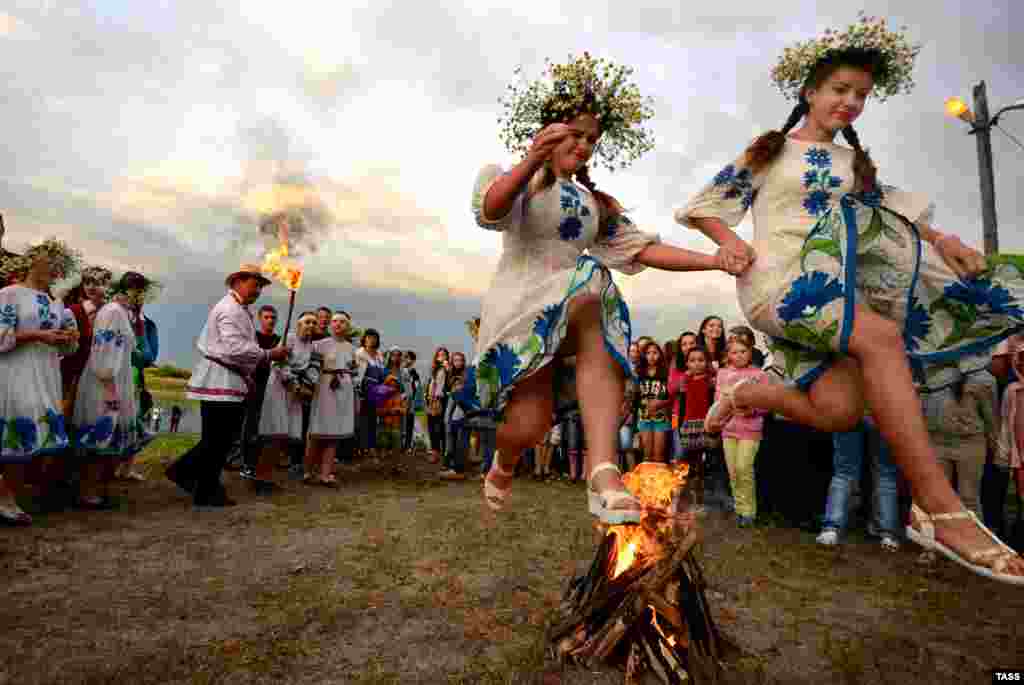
(400, 578)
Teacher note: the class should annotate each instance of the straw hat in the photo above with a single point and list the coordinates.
(248, 269)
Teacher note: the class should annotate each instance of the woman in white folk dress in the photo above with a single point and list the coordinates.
(35, 330)
(859, 294)
(553, 294)
(333, 413)
(108, 430)
(291, 382)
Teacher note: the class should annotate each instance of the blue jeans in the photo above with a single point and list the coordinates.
(847, 458)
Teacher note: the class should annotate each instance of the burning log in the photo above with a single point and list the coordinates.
(641, 604)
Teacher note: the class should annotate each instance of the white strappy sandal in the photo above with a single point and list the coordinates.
(603, 503)
(1000, 553)
(494, 495)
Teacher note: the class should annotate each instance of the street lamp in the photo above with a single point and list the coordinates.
(981, 124)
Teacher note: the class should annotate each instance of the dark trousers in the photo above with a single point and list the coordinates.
(408, 422)
(251, 434)
(221, 426)
(458, 447)
(368, 427)
(994, 485)
(435, 426)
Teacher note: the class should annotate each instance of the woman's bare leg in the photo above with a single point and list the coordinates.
(527, 419)
(659, 446)
(645, 446)
(887, 385)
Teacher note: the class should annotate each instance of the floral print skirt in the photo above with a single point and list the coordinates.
(518, 354)
(863, 253)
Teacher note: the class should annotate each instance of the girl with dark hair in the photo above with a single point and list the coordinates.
(686, 341)
(654, 421)
(858, 292)
(372, 368)
(711, 336)
(553, 295)
(437, 402)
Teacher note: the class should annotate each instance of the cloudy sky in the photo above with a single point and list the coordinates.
(148, 134)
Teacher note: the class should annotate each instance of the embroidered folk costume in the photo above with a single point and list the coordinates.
(823, 245)
(334, 406)
(553, 249)
(291, 384)
(31, 417)
(107, 418)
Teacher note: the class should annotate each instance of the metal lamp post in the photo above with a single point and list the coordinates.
(981, 126)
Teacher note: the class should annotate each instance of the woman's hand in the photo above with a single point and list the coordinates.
(54, 337)
(965, 262)
(735, 257)
(546, 141)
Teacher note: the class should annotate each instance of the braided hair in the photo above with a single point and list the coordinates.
(767, 146)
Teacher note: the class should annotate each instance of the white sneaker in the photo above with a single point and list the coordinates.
(889, 543)
(829, 538)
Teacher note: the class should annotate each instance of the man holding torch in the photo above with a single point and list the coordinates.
(221, 381)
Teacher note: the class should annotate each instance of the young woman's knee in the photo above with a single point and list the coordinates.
(873, 333)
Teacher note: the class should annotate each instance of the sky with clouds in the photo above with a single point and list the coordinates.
(149, 135)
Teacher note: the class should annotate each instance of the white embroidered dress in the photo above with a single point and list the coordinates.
(334, 410)
(552, 252)
(31, 421)
(822, 248)
(103, 431)
(281, 416)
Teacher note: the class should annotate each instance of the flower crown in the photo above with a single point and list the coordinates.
(868, 34)
(148, 292)
(63, 259)
(582, 85)
(97, 274)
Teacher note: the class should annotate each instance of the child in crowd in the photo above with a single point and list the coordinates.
(698, 387)
(963, 423)
(456, 442)
(542, 471)
(437, 401)
(746, 335)
(676, 380)
(1008, 462)
(741, 435)
(849, 450)
(654, 423)
(392, 410)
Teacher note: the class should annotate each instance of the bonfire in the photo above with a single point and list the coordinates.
(641, 605)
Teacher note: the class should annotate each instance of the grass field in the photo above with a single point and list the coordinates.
(400, 578)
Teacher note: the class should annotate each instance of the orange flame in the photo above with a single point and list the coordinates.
(278, 267)
(671, 639)
(654, 485)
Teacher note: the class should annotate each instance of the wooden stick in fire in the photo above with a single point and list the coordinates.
(288, 321)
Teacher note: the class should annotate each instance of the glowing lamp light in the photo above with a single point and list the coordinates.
(956, 107)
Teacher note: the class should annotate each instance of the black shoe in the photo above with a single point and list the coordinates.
(265, 488)
(187, 485)
(217, 502)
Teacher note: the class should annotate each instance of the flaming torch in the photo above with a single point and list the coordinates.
(285, 271)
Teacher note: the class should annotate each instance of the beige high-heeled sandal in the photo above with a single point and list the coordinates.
(494, 495)
(1000, 554)
(603, 503)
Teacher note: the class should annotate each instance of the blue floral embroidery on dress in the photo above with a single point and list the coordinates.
(105, 335)
(740, 184)
(27, 432)
(611, 229)
(546, 321)
(9, 316)
(100, 431)
(571, 227)
(811, 291)
(57, 428)
(917, 325)
(872, 198)
(43, 299)
(505, 360)
(981, 292)
(819, 181)
(818, 157)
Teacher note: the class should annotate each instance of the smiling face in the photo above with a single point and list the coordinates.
(686, 342)
(634, 353)
(458, 361)
(839, 99)
(307, 326)
(339, 325)
(574, 152)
